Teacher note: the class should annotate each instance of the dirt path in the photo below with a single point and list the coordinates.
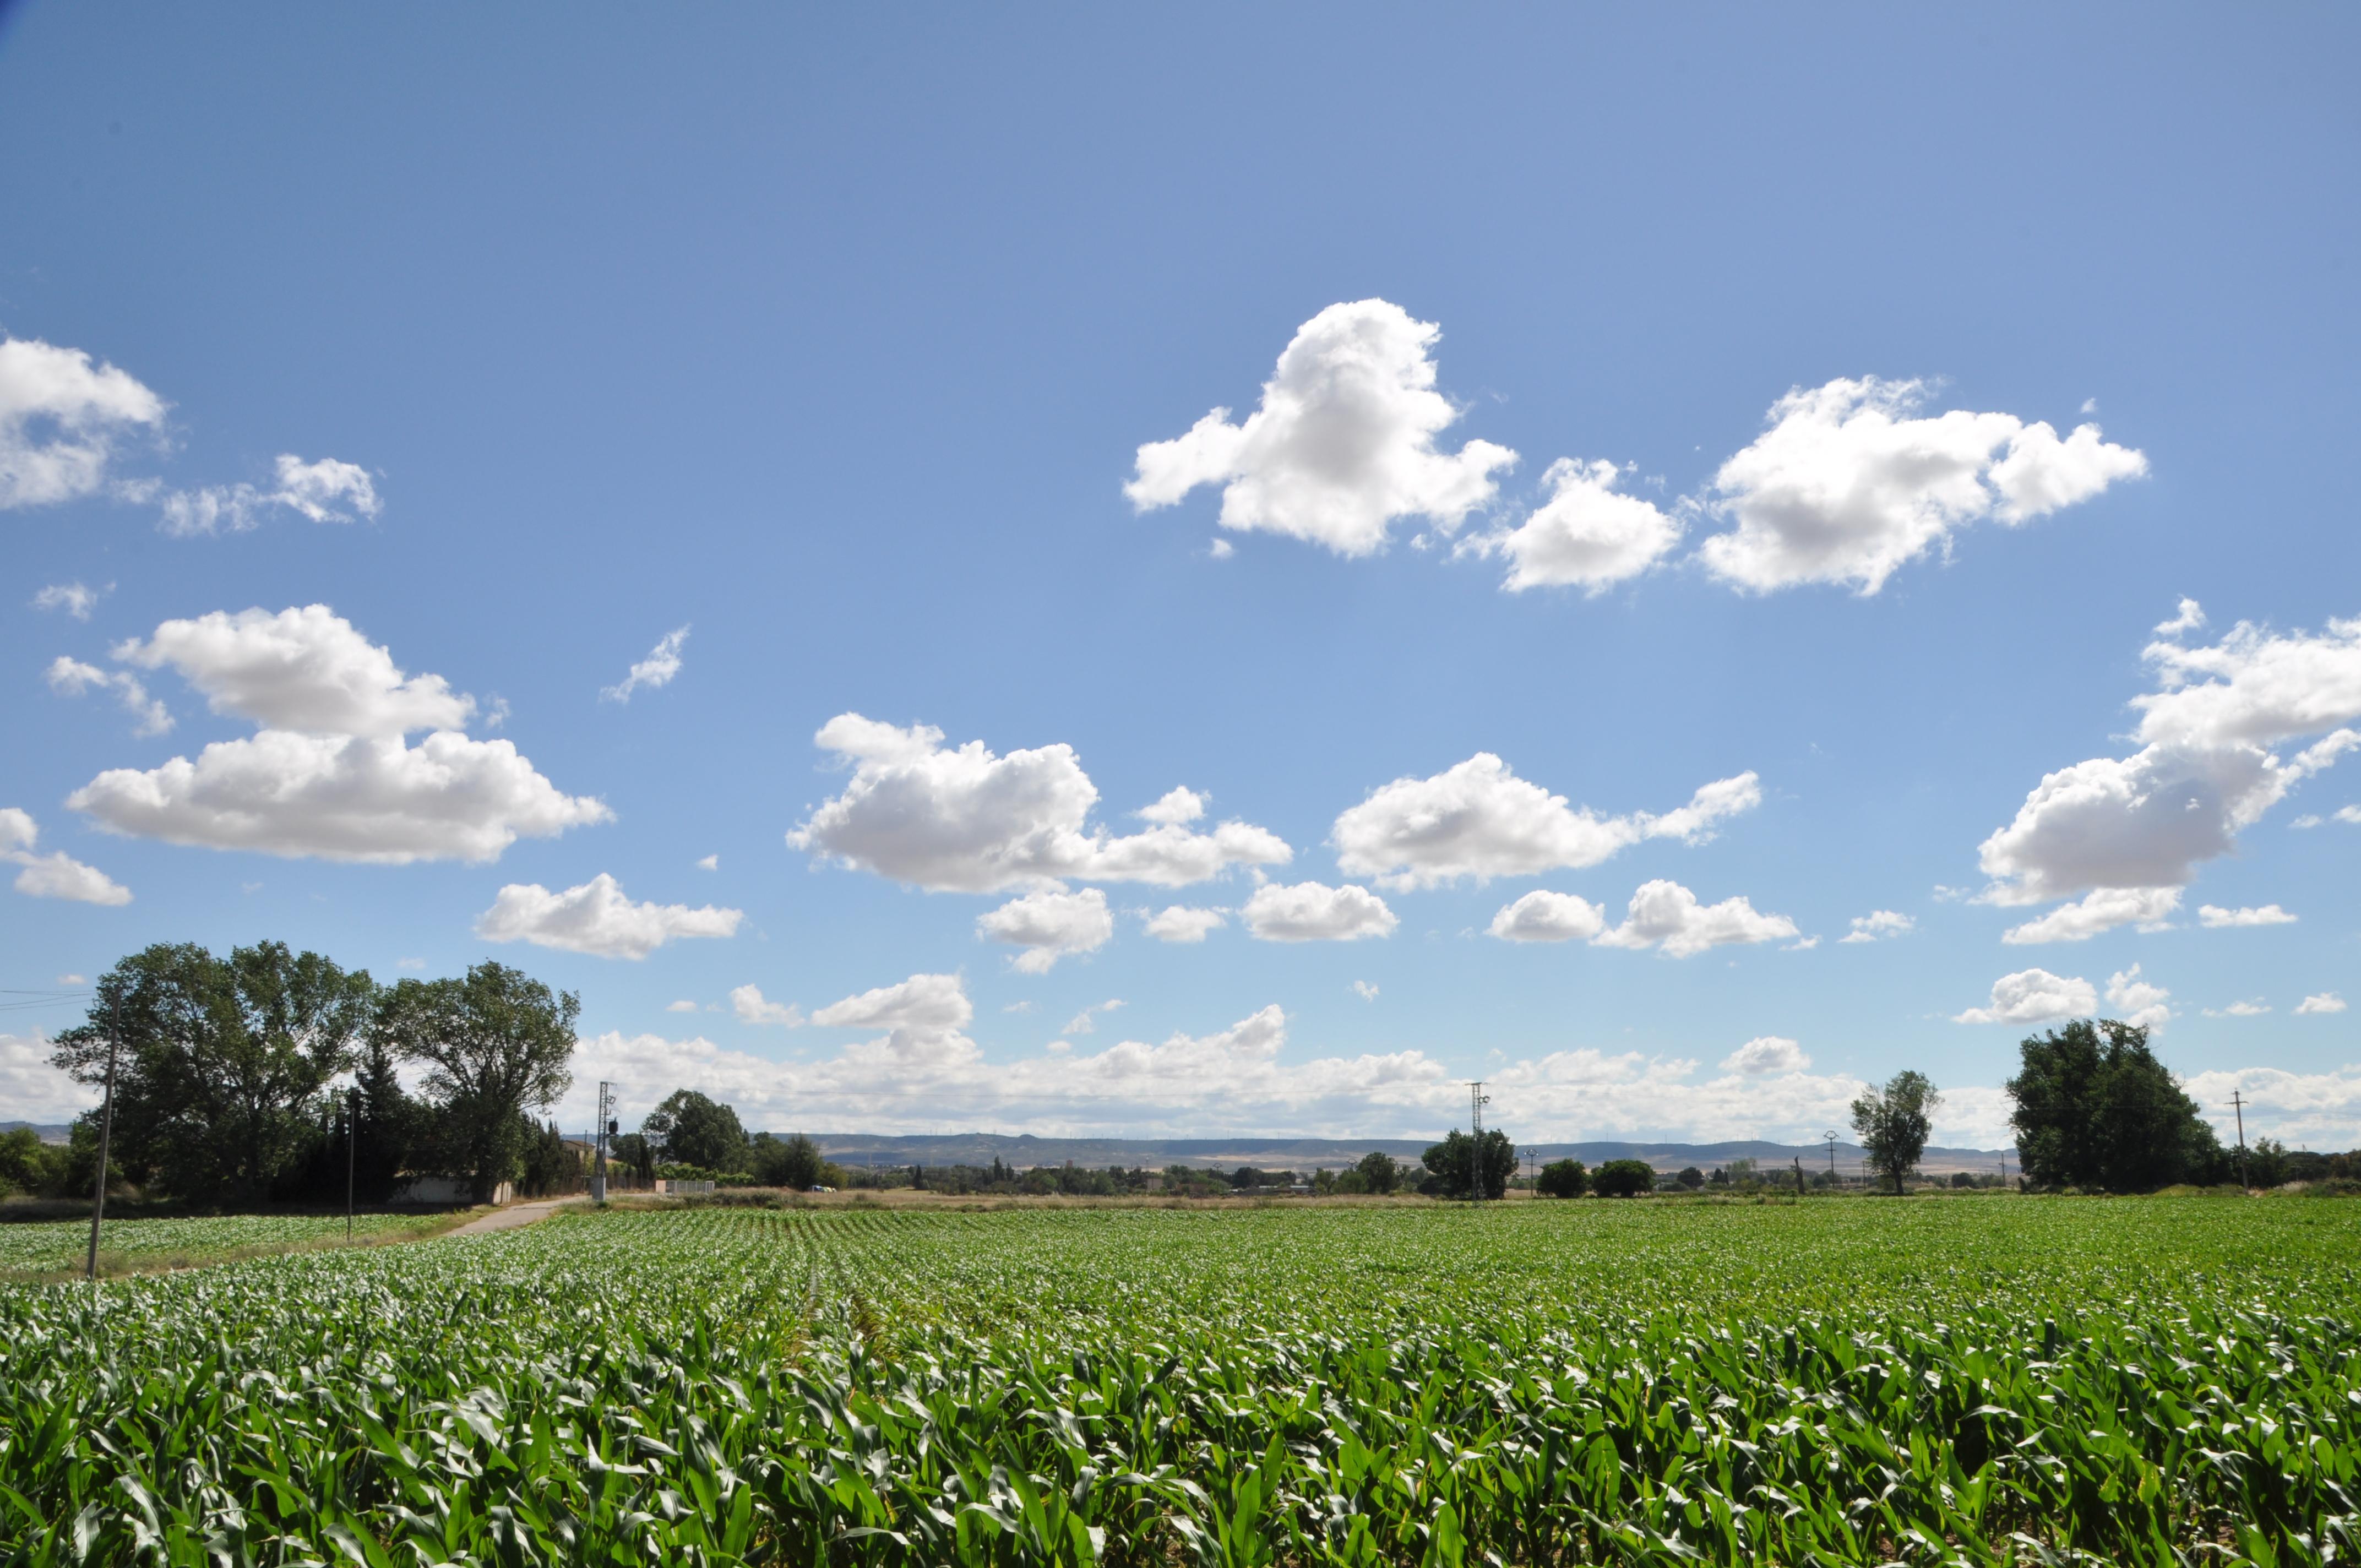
(510, 1218)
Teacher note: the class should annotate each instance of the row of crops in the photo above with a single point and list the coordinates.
(1974, 1381)
(42, 1247)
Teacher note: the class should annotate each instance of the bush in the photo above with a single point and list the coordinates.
(1563, 1178)
(1624, 1179)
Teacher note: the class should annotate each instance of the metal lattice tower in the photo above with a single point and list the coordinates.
(1477, 1100)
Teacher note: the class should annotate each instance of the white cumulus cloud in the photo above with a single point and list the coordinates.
(61, 418)
(748, 1003)
(329, 490)
(32, 1089)
(1181, 923)
(2214, 916)
(1366, 990)
(1342, 443)
(2205, 773)
(1878, 924)
(1313, 912)
(2321, 1003)
(1850, 483)
(1086, 1021)
(1049, 923)
(74, 598)
(1478, 819)
(2254, 1009)
(2033, 996)
(71, 677)
(597, 918)
(1587, 534)
(2190, 617)
(1766, 1054)
(329, 771)
(657, 669)
(2141, 1003)
(54, 875)
(2101, 909)
(967, 821)
(1542, 916)
(1666, 916)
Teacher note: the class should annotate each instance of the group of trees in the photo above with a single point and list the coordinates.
(2096, 1110)
(230, 1076)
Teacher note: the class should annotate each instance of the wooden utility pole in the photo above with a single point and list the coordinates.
(2238, 1103)
(352, 1137)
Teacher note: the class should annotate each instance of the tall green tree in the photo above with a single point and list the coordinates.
(1380, 1173)
(1465, 1166)
(793, 1162)
(690, 1128)
(2095, 1108)
(225, 1063)
(1894, 1123)
(1563, 1178)
(494, 1044)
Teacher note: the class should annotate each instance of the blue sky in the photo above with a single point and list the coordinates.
(837, 338)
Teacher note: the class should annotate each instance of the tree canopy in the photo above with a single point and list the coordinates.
(1895, 1122)
(495, 1044)
(2096, 1109)
(1465, 1167)
(223, 1063)
(1563, 1178)
(1624, 1179)
(689, 1128)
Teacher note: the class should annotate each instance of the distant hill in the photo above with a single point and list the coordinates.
(47, 1131)
(1309, 1154)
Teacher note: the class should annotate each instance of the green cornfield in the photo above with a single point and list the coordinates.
(48, 1247)
(1966, 1380)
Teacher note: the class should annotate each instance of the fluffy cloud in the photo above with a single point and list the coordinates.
(309, 670)
(2033, 996)
(748, 1003)
(2323, 1002)
(925, 1074)
(1366, 990)
(71, 677)
(657, 669)
(2141, 825)
(597, 918)
(1849, 484)
(1766, 1054)
(2321, 1110)
(1586, 535)
(1877, 925)
(1478, 819)
(1086, 1021)
(2254, 1009)
(1179, 922)
(1343, 443)
(57, 875)
(968, 821)
(61, 417)
(73, 597)
(1667, 915)
(2138, 1003)
(2103, 909)
(2190, 617)
(1049, 923)
(326, 491)
(2214, 916)
(2254, 687)
(1313, 912)
(1542, 916)
(33, 1090)
(329, 773)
